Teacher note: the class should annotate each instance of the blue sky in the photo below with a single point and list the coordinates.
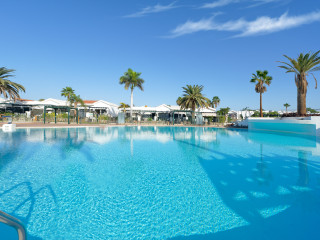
(89, 44)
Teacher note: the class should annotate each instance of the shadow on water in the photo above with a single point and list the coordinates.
(271, 193)
(23, 203)
(14, 149)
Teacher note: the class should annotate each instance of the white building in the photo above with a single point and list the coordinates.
(104, 107)
(98, 107)
(168, 112)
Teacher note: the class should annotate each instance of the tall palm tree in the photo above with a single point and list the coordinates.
(123, 106)
(67, 92)
(261, 78)
(301, 67)
(193, 98)
(131, 79)
(215, 101)
(286, 105)
(8, 88)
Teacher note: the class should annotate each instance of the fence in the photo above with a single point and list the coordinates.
(218, 121)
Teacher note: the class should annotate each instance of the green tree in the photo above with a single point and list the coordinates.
(8, 88)
(301, 67)
(131, 79)
(261, 78)
(75, 100)
(256, 114)
(223, 114)
(123, 106)
(223, 111)
(67, 92)
(311, 110)
(273, 114)
(193, 98)
(286, 106)
(215, 101)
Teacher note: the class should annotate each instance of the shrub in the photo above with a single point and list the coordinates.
(63, 115)
(221, 119)
(311, 110)
(210, 119)
(103, 117)
(256, 114)
(273, 114)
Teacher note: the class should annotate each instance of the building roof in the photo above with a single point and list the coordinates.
(23, 100)
(102, 103)
(89, 101)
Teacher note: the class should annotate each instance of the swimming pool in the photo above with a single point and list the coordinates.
(160, 183)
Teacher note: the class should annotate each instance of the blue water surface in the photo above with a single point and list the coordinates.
(160, 183)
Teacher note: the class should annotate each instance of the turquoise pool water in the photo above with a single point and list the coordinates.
(160, 183)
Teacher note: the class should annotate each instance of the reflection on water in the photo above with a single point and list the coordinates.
(160, 134)
(264, 174)
(303, 169)
(161, 183)
(105, 135)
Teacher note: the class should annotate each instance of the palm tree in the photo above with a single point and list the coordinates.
(301, 67)
(193, 98)
(67, 92)
(286, 105)
(8, 88)
(178, 101)
(131, 79)
(215, 101)
(75, 100)
(124, 106)
(261, 78)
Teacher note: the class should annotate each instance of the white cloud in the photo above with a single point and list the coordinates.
(261, 25)
(153, 9)
(221, 3)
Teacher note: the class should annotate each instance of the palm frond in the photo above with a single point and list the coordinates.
(8, 88)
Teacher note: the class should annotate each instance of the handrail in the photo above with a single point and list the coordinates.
(14, 222)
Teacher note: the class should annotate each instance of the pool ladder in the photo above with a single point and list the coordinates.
(14, 222)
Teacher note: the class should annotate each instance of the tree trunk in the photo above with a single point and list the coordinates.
(261, 114)
(302, 94)
(193, 114)
(302, 108)
(131, 105)
(75, 106)
(286, 109)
